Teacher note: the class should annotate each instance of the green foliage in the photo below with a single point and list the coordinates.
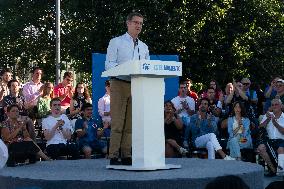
(221, 39)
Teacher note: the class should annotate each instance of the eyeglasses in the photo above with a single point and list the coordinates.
(137, 22)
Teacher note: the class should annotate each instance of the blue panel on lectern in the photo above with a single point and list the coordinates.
(98, 87)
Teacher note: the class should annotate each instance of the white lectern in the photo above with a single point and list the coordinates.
(147, 90)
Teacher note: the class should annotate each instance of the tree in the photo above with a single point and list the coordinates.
(224, 39)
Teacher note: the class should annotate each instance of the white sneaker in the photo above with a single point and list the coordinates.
(185, 144)
(229, 158)
(183, 151)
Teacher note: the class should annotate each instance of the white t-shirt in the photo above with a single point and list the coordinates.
(49, 122)
(272, 131)
(177, 103)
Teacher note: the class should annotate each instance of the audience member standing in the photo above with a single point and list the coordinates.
(32, 91)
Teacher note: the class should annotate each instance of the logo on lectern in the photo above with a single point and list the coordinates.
(167, 67)
(146, 66)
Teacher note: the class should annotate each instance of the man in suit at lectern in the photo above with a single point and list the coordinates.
(120, 50)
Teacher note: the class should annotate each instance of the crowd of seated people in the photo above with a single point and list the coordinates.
(56, 110)
(220, 121)
(244, 117)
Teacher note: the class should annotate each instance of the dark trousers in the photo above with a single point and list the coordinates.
(69, 149)
(20, 151)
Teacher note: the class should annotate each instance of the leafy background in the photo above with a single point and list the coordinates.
(215, 39)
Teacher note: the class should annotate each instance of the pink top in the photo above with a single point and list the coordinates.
(60, 90)
(31, 93)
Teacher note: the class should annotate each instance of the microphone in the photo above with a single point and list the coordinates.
(136, 44)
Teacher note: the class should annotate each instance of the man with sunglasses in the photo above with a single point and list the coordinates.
(251, 105)
(120, 50)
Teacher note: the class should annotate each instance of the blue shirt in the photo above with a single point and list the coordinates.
(91, 133)
(254, 95)
(245, 134)
(122, 49)
(246, 126)
(201, 127)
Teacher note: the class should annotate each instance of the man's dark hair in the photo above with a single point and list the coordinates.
(87, 105)
(9, 108)
(67, 74)
(183, 80)
(12, 81)
(132, 14)
(36, 68)
(54, 100)
(5, 70)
